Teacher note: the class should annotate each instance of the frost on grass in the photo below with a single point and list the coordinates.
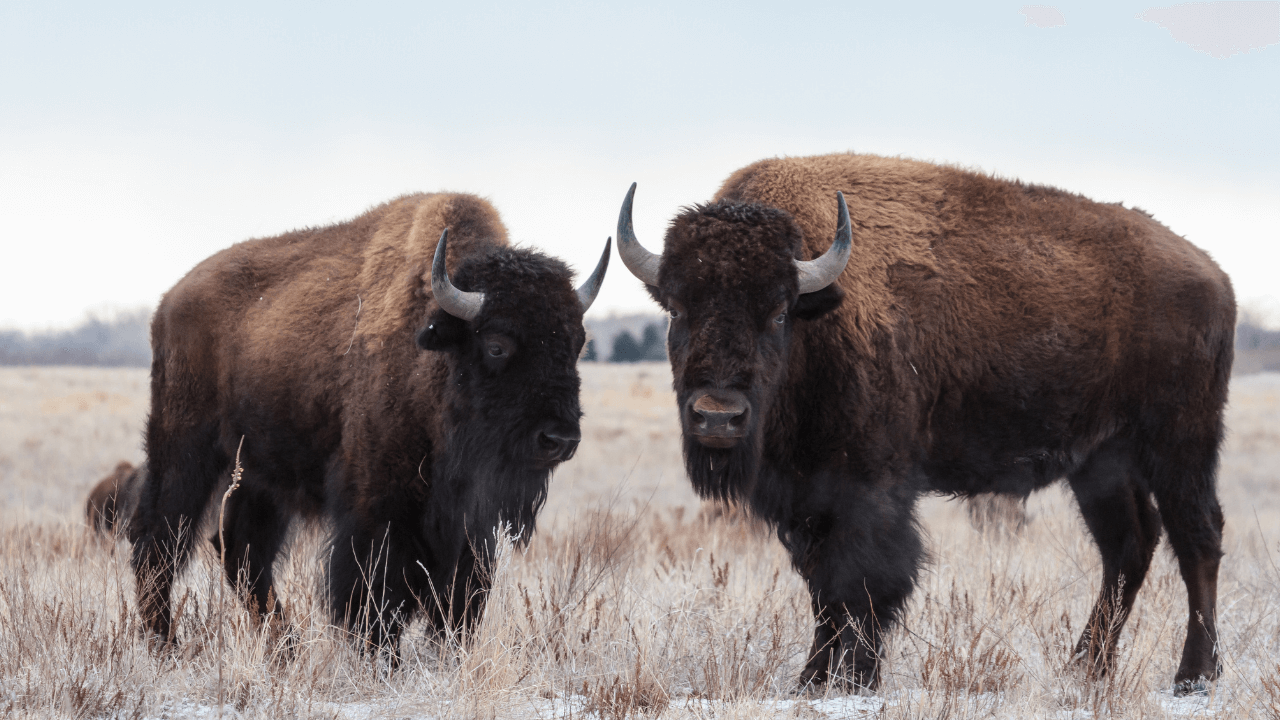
(643, 608)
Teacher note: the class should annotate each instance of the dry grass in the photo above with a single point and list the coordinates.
(630, 602)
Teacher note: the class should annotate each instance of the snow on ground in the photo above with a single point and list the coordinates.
(846, 707)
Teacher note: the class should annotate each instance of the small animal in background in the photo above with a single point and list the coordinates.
(112, 501)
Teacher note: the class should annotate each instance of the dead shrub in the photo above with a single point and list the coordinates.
(1271, 693)
(640, 693)
(961, 660)
(976, 667)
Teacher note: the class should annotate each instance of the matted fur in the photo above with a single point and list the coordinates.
(986, 336)
(303, 345)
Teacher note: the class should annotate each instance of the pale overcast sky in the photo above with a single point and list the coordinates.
(137, 139)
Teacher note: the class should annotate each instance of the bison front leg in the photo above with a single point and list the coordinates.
(860, 571)
(455, 597)
(368, 586)
(847, 647)
(379, 581)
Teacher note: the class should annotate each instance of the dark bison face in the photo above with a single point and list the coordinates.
(515, 338)
(730, 279)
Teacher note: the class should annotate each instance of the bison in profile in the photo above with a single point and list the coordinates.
(407, 374)
(963, 335)
(112, 501)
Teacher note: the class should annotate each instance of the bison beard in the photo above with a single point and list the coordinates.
(727, 475)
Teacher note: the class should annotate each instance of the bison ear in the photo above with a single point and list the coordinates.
(442, 332)
(811, 306)
(653, 293)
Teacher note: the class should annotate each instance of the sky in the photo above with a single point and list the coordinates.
(138, 138)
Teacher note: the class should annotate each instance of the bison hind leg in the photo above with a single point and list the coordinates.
(174, 491)
(254, 529)
(1184, 486)
(1115, 502)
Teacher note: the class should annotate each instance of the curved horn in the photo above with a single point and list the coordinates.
(642, 263)
(821, 271)
(458, 303)
(588, 290)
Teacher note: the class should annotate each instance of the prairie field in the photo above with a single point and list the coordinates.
(633, 599)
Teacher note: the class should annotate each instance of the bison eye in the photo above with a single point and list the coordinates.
(675, 314)
(496, 351)
(781, 318)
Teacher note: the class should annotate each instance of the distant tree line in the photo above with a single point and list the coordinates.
(121, 341)
(1257, 348)
(1250, 336)
(651, 346)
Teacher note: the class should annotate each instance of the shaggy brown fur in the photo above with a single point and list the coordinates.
(114, 498)
(986, 336)
(303, 345)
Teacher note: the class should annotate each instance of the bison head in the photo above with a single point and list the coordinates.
(515, 338)
(730, 278)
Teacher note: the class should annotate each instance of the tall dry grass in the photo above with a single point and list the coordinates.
(631, 601)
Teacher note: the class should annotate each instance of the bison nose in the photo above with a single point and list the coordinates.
(719, 420)
(557, 444)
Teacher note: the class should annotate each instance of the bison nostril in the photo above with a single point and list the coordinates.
(547, 443)
(724, 413)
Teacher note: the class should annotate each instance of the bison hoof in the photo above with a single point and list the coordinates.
(815, 687)
(283, 641)
(159, 644)
(1198, 686)
(809, 689)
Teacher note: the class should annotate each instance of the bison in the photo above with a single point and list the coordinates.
(113, 499)
(963, 334)
(414, 407)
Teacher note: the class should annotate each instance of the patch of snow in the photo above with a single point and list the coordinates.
(843, 707)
